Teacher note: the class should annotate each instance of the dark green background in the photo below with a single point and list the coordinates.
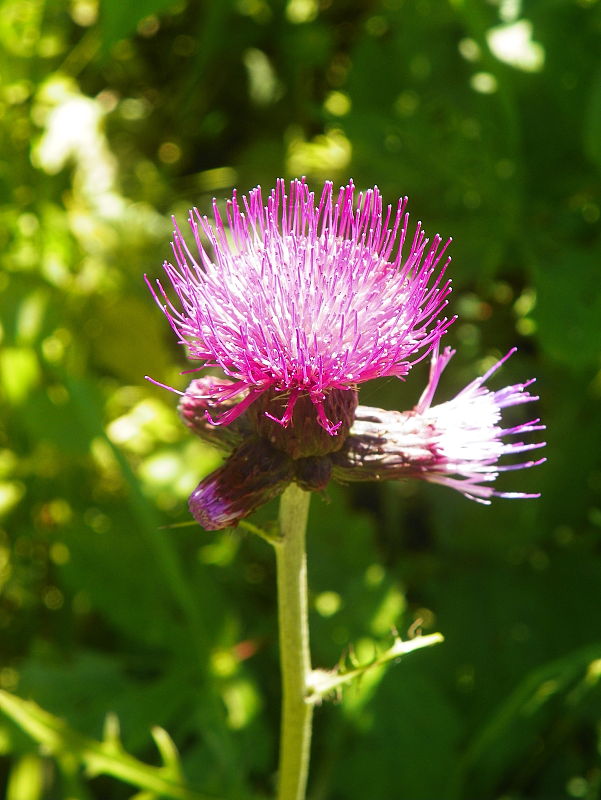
(115, 117)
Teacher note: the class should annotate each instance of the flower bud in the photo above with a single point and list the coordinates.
(313, 474)
(303, 434)
(252, 475)
(202, 395)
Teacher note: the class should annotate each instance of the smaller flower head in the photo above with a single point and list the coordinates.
(254, 474)
(458, 443)
(298, 298)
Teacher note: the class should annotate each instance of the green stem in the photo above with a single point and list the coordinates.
(295, 658)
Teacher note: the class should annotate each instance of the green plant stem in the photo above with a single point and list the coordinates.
(295, 658)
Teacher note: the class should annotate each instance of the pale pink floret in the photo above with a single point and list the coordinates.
(302, 297)
(466, 435)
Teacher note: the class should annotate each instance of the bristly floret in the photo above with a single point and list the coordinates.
(466, 434)
(458, 443)
(301, 298)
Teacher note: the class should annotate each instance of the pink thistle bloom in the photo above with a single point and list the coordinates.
(458, 443)
(299, 298)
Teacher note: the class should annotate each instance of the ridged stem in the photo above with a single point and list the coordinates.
(295, 658)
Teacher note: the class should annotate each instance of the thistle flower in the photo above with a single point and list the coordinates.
(300, 301)
(458, 443)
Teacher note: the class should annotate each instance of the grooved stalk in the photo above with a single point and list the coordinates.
(295, 659)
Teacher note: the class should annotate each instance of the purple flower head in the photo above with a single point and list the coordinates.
(458, 443)
(297, 298)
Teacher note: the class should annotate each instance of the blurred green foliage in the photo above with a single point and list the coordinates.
(115, 115)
